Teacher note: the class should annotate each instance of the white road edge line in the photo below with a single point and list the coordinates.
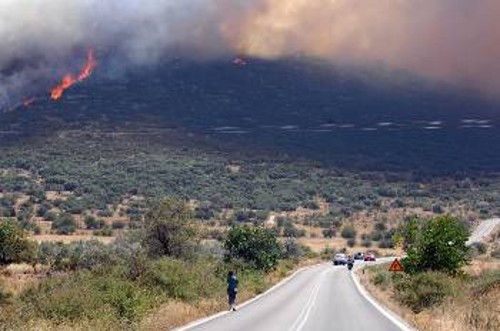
(390, 315)
(246, 303)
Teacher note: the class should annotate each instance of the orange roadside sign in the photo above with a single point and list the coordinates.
(396, 266)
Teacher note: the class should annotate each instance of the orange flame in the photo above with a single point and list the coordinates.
(69, 80)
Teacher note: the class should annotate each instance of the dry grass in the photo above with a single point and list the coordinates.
(462, 311)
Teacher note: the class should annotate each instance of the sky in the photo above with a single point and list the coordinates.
(456, 41)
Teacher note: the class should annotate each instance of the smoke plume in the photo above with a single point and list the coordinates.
(457, 41)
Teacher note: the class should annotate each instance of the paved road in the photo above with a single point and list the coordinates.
(484, 230)
(321, 298)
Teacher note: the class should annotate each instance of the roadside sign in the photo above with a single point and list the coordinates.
(396, 266)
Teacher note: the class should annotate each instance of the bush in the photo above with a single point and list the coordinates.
(348, 232)
(329, 233)
(79, 296)
(366, 243)
(91, 223)
(104, 232)
(422, 291)
(478, 248)
(183, 280)
(168, 229)
(381, 278)
(64, 224)
(351, 242)
(118, 225)
(439, 246)
(291, 249)
(15, 247)
(256, 245)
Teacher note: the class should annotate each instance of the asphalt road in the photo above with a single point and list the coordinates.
(320, 298)
(484, 230)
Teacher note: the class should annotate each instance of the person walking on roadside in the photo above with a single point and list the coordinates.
(232, 289)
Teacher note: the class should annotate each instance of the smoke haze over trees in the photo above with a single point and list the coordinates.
(450, 40)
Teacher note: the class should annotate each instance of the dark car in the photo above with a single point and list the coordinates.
(359, 256)
(370, 257)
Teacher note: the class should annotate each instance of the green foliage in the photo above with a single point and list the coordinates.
(168, 229)
(64, 224)
(83, 294)
(14, 244)
(256, 245)
(348, 232)
(381, 277)
(92, 223)
(439, 245)
(292, 249)
(423, 290)
(184, 280)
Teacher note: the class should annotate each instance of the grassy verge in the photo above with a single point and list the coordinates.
(436, 301)
(167, 293)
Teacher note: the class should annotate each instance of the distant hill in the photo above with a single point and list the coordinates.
(358, 120)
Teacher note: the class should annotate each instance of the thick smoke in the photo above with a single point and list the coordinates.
(452, 40)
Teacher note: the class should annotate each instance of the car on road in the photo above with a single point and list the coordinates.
(359, 256)
(370, 257)
(339, 259)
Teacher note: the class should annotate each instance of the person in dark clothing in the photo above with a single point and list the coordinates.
(232, 289)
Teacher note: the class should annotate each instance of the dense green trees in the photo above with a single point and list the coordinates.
(256, 245)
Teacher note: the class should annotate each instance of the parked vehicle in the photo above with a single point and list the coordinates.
(359, 256)
(339, 259)
(370, 257)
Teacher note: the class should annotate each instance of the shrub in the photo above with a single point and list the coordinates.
(291, 249)
(495, 254)
(348, 232)
(168, 229)
(256, 245)
(351, 242)
(422, 291)
(91, 223)
(439, 246)
(485, 282)
(478, 248)
(381, 278)
(79, 296)
(15, 247)
(183, 280)
(64, 224)
(118, 225)
(366, 243)
(329, 233)
(104, 232)
(380, 226)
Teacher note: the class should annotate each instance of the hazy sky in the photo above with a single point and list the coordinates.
(453, 40)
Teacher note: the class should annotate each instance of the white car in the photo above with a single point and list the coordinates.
(340, 259)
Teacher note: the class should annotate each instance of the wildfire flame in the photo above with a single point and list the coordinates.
(69, 80)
